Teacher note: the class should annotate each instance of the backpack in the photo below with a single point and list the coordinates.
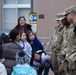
(68, 67)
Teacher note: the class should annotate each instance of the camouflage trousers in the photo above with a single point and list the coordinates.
(56, 61)
(68, 67)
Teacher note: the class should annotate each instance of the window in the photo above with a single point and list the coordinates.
(12, 9)
(24, 1)
(10, 1)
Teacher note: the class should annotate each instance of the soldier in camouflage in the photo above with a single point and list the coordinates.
(57, 43)
(68, 66)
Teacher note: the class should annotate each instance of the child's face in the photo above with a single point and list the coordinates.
(31, 36)
(23, 37)
(17, 38)
(36, 56)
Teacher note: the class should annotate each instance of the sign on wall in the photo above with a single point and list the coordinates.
(33, 21)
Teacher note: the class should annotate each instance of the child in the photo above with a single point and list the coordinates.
(10, 50)
(5, 38)
(40, 59)
(1, 52)
(2, 67)
(33, 40)
(23, 68)
(23, 43)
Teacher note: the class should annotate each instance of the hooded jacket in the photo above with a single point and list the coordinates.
(9, 51)
(2, 69)
(24, 69)
(36, 44)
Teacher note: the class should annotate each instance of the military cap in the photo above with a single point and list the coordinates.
(70, 10)
(60, 16)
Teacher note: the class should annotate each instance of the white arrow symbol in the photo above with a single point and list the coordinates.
(35, 17)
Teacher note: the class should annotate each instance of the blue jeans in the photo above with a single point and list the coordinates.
(40, 70)
(46, 71)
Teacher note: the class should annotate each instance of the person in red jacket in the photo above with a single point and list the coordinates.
(22, 25)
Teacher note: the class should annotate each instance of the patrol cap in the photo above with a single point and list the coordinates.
(60, 16)
(70, 10)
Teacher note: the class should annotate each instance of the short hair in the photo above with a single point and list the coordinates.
(13, 34)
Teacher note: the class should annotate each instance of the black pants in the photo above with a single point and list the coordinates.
(46, 71)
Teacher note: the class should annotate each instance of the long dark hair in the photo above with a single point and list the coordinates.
(1, 51)
(5, 38)
(13, 34)
(18, 25)
(27, 35)
(20, 18)
(1, 41)
(33, 54)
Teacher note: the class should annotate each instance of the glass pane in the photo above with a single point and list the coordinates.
(24, 12)
(9, 14)
(10, 1)
(24, 1)
(8, 26)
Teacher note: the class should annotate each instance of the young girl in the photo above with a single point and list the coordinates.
(35, 43)
(23, 43)
(10, 50)
(2, 59)
(40, 59)
(33, 40)
(2, 67)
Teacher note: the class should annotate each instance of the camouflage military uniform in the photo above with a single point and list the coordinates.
(69, 39)
(65, 48)
(57, 43)
(68, 66)
(72, 38)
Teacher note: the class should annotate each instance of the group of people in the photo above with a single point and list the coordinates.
(64, 43)
(21, 52)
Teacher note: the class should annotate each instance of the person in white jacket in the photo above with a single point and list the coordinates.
(2, 69)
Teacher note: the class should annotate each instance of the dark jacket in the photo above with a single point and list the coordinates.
(9, 51)
(36, 45)
(26, 27)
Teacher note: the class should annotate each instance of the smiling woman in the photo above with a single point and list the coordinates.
(22, 25)
(16, 8)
